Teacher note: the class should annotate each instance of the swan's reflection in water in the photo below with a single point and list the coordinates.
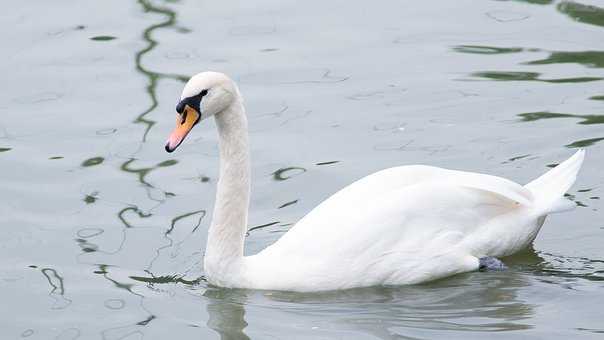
(227, 313)
(479, 302)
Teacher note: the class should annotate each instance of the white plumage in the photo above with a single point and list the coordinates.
(402, 225)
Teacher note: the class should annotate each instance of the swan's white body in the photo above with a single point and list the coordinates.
(401, 225)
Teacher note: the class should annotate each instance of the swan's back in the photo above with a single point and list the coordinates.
(408, 224)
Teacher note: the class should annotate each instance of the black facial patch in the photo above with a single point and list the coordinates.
(193, 102)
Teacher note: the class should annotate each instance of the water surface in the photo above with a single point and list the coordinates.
(103, 232)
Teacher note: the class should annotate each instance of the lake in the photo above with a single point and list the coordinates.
(103, 232)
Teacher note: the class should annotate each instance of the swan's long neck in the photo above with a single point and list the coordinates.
(224, 250)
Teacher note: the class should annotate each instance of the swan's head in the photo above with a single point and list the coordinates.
(204, 95)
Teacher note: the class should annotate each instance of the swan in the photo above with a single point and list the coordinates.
(402, 225)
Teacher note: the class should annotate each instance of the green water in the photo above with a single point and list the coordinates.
(103, 232)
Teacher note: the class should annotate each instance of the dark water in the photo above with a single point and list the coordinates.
(103, 232)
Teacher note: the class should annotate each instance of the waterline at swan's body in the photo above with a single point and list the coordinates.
(401, 225)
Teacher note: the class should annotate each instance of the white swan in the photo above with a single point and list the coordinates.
(402, 225)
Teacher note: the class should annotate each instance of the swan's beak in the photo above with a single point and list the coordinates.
(184, 124)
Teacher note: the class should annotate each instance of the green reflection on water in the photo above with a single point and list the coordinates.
(529, 76)
(93, 161)
(586, 119)
(591, 59)
(584, 143)
(143, 172)
(152, 76)
(57, 283)
(201, 212)
(586, 14)
(587, 58)
(476, 49)
(287, 173)
(172, 278)
(167, 163)
(103, 38)
(123, 332)
(327, 163)
(261, 227)
(91, 198)
(128, 165)
(87, 246)
(537, 2)
(287, 204)
(501, 75)
(136, 210)
(166, 279)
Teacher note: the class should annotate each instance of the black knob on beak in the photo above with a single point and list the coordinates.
(180, 107)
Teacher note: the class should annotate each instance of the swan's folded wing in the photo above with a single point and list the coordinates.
(448, 205)
(412, 233)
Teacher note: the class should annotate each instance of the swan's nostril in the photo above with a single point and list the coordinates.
(184, 117)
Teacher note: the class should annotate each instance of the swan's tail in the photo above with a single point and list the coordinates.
(549, 189)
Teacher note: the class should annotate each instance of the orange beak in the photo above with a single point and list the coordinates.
(184, 124)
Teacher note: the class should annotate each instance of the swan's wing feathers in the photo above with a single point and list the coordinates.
(502, 187)
(433, 213)
(435, 206)
(396, 178)
(407, 231)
